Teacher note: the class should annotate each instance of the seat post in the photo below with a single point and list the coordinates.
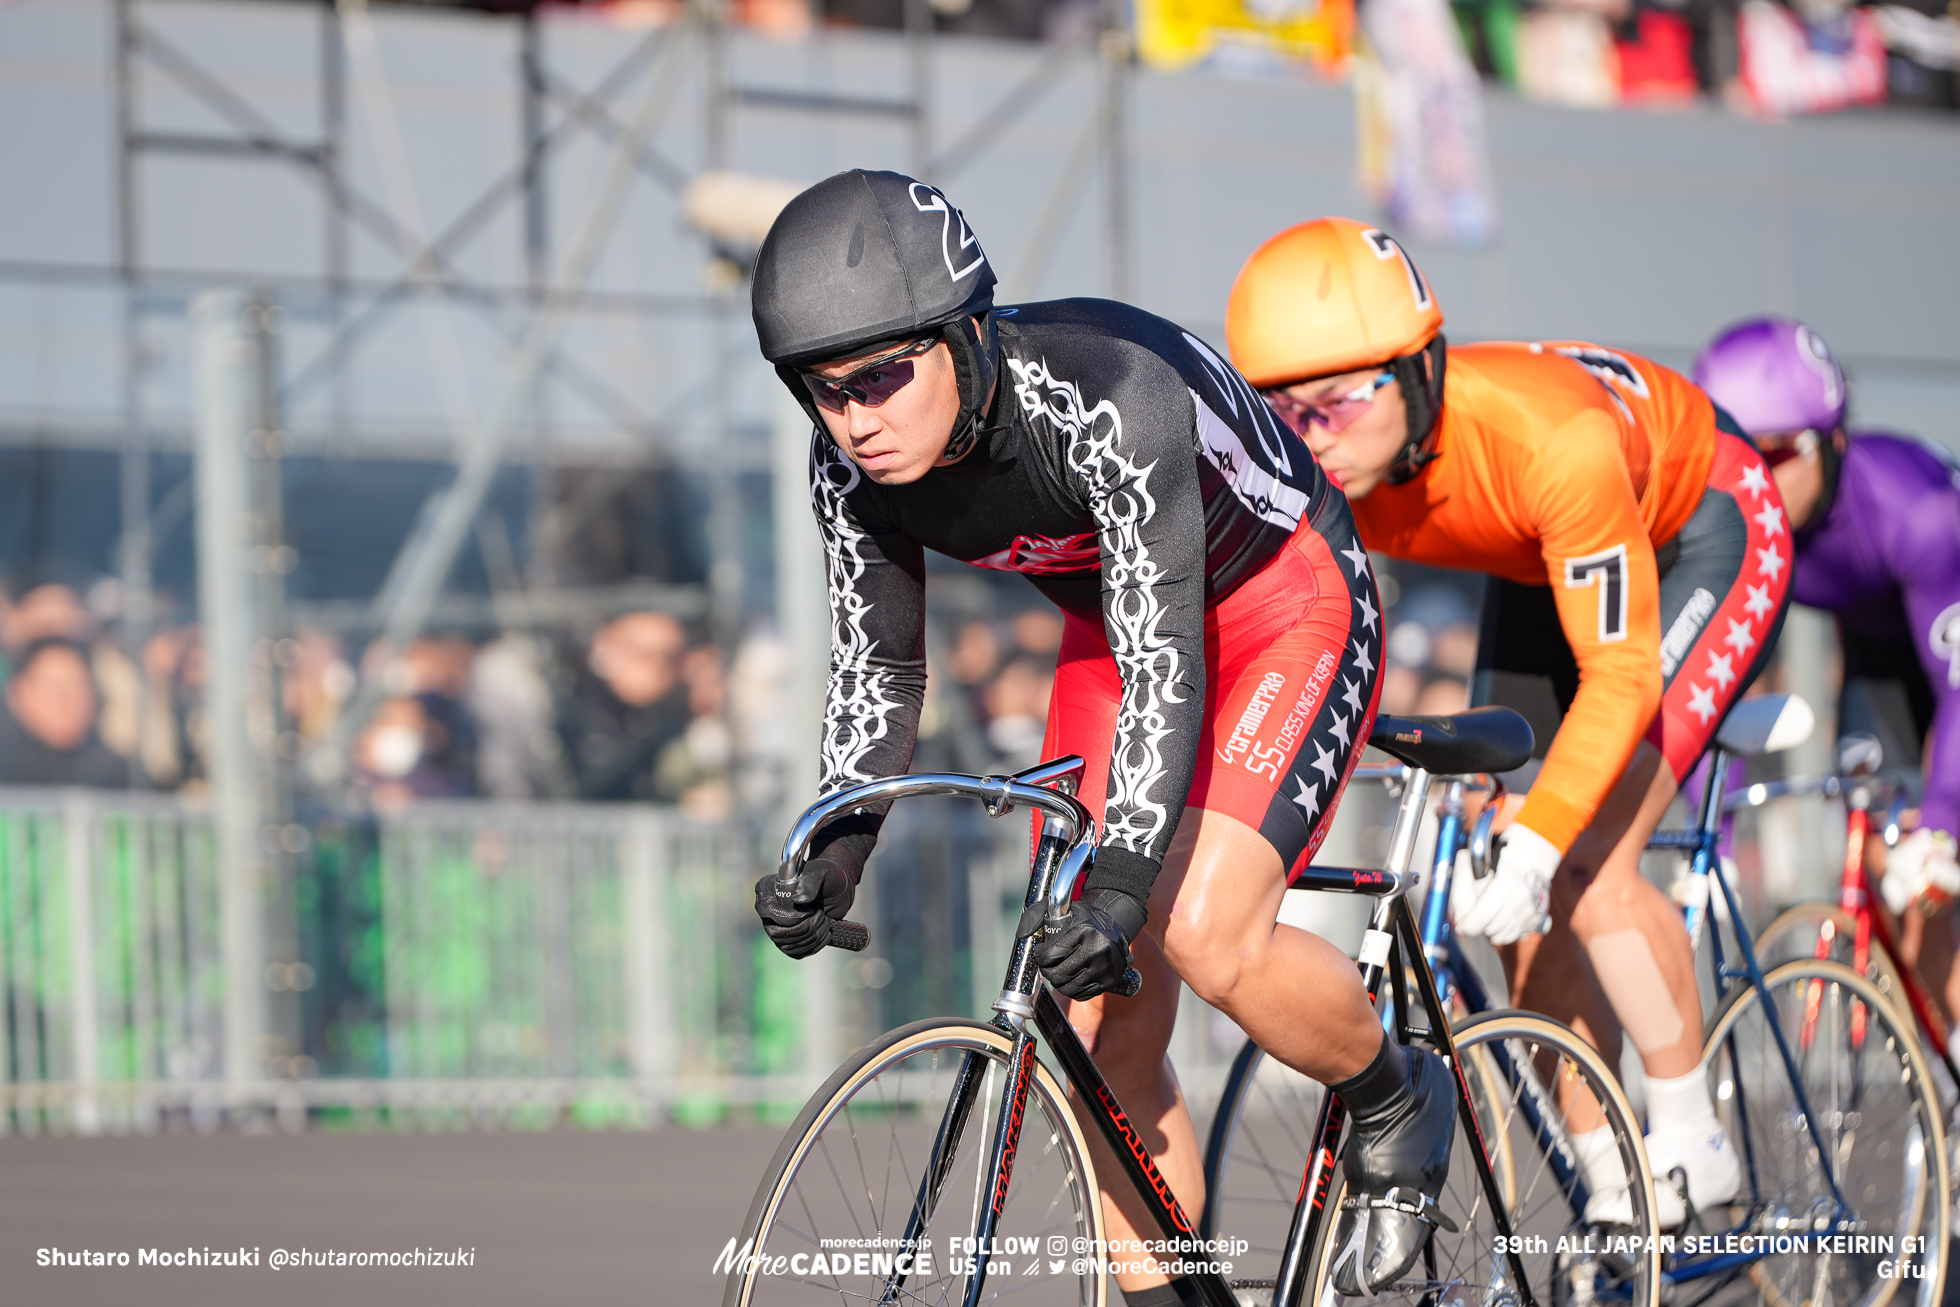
(1402, 840)
(1711, 798)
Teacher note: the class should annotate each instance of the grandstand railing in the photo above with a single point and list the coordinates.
(456, 963)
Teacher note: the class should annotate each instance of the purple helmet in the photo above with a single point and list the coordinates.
(1774, 374)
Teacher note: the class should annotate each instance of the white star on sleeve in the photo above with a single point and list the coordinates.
(1308, 797)
(1770, 520)
(1759, 602)
(1351, 693)
(1367, 612)
(1740, 637)
(1754, 481)
(1324, 762)
(1359, 557)
(1701, 702)
(1721, 669)
(1770, 561)
(1339, 730)
(1361, 657)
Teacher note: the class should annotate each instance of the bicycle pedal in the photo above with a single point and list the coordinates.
(1254, 1293)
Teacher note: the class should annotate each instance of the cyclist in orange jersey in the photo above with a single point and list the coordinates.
(1638, 555)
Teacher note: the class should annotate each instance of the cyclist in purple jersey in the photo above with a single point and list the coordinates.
(1877, 521)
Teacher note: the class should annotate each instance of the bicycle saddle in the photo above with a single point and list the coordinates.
(1489, 739)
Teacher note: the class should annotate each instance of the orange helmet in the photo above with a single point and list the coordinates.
(1327, 296)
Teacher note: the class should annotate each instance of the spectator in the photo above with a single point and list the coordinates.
(1017, 710)
(407, 753)
(696, 769)
(173, 666)
(52, 611)
(1442, 695)
(975, 654)
(509, 698)
(1038, 631)
(317, 682)
(48, 731)
(629, 703)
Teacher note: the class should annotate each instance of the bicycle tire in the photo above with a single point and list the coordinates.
(1463, 1268)
(1792, 937)
(1252, 1175)
(1780, 1179)
(867, 1095)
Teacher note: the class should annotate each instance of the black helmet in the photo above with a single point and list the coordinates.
(869, 258)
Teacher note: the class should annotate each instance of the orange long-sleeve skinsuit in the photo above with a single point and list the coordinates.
(1564, 464)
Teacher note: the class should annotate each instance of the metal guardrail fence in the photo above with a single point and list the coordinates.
(456, 958)
(468, 963)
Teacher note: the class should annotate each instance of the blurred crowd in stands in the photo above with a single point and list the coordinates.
(643, 708)
(1764, 57)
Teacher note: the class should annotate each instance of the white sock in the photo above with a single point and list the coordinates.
(1599, 1160)
(1679, 1103)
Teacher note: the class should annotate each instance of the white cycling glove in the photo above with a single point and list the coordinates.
(1923, 865)
(1511, 902)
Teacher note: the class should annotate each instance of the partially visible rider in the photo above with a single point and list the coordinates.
(1877, 519)
(1218, 671)
(1638, 560)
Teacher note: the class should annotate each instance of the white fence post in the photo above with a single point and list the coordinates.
(226, 372)
(81, 960)
(643, 863)
(801, 610)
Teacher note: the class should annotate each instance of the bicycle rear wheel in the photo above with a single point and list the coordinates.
(851, 1178)
(1793, 936)
(1875, 1112)
(1262, 1139)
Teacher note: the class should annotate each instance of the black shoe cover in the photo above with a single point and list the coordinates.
(1397, 1159)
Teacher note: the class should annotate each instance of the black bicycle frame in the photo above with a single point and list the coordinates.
(1023, 998)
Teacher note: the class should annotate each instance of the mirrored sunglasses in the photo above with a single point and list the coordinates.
(1336, 415)
(870, 385)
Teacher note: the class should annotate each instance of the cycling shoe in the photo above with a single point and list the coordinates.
(1398, 1156)
(1706, 1156)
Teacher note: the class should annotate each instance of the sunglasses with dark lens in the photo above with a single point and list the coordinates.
(1336, 414)
(870, 385)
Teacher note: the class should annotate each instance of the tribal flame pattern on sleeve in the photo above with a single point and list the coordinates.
(877, 660)
(1152, 605)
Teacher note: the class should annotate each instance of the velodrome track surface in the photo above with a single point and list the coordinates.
(580, 1218)
(569, 1217)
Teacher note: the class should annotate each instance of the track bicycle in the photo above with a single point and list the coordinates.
(945, 1163)
(1820, 1081)
(1535, 1082)
(1852, 930)
(1873, 1164)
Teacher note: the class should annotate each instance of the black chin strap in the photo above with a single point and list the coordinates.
(976, 363)
(1421, 377)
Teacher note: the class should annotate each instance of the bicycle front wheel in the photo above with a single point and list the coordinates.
(1526, 1075)
(876, 1191)
(1873, 1112)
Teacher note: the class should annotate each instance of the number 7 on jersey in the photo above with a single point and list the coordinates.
(1607, 570)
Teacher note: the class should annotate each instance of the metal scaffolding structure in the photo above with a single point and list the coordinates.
(553, 110)
(249, 376)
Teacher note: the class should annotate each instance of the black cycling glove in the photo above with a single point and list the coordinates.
(824, 890)
(1089, 951)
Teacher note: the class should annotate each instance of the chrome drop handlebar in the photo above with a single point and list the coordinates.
(1002, 794)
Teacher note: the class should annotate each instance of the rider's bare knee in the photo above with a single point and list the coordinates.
(1210, 962)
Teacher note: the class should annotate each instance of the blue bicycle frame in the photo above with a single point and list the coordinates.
(1455, 976)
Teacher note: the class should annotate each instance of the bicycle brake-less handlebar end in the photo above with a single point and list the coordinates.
(849, 936)
(1131, 982)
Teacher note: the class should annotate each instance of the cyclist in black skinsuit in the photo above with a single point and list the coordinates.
(1218, 670)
